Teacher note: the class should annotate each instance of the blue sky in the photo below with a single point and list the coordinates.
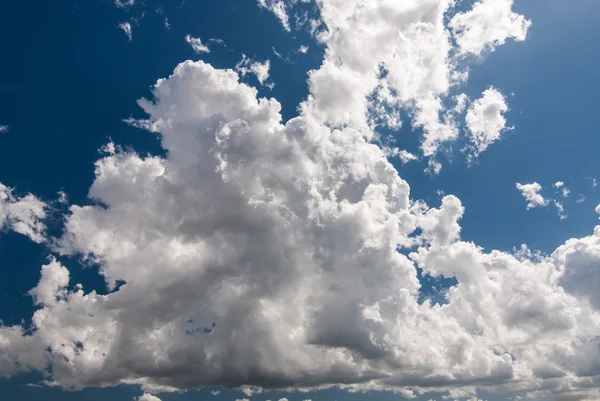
(70, 76)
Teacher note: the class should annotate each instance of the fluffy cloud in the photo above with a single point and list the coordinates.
(3, 129)
(389, 55)
(22, 215)
(260, 70)
(278, 8)
(147, 397)
(488, 24)
(197, 44)
(563, 189)
(271, 255)
(124, 3)
(126, 27)
(531, 193)
(237, 273)
(485, 119)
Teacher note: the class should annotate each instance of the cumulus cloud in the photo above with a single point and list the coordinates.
(260, 70)
(126, 27)
(485, 120)
(197, 44)
(124, 3)
(531, 193)
(406, 63)
(278, 8)
(284, 239)
(406, 156)
(147, 397)
(23, 215)
(267, 254)
(3, 129)
(488, 24)
(563, 189)
(303, 49)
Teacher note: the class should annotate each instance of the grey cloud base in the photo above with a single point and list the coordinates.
(287, 237)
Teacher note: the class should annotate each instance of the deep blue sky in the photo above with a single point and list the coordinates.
(69, 76)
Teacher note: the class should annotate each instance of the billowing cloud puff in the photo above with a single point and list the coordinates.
(485, 120)
(388, 55)
(276, 254)
(531, 193)
(265, 254)
(260, 70)
(147, 397)
(22, 215)
(196, 44)
(488, 24)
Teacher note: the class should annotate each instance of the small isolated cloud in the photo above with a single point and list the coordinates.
(3, 129)
(488, 24)
(531, 193)
(215, 392)
(405, 156)
(249, 66)
(217, 41)
(22, 215)
(560, 209)
(485, 119)
(277, 7)
(147, 397)
(563, 190)
(197, 44)
(167, 24)
(580, 199)
(124, 3)
(303, 49)
(126, 27)
(598, 209)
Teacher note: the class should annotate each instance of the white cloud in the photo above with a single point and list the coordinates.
(215, 392)
(412, 44)
(3, 129)
(488, 24)
(289, 234)
(598, 209)
(560, 209)
(531, 193)
(197, 44)
(563, 190)
(22, 215)
(580, 199)
(303, 49)
(406, 156)
(124, 3)
(263, 253)
(277, 7)
(126, 27)
(260, 70)
(485, 120)
(147, 397)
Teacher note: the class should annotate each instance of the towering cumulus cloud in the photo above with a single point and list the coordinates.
(284, 255)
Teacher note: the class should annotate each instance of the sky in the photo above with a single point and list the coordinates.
(299, 200)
